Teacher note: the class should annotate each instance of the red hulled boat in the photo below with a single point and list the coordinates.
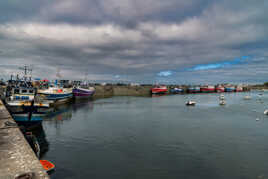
(220, 89)
(207, 89)
(159, 90)
(239, 89)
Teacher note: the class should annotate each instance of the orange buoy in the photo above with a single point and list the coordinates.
(47, 165)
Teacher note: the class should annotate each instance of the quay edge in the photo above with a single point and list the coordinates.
(16, 156)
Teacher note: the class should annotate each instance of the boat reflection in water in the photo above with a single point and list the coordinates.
(60, 113)
(64, 112)
(82, 104)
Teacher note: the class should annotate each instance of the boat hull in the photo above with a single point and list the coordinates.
(159, 90)
(229, 89)
(58, 98)
(207, 90)
(193, 90)
(80, 93)
(238, 89)
(24, 112)
(24, 118)
(220, 90)
(176, 91)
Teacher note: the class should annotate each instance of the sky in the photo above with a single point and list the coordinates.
(144, 41)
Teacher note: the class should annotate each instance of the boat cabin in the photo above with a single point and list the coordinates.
(22, 93)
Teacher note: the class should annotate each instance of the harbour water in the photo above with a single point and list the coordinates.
(159, 137)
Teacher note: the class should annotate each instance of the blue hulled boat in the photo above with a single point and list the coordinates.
(22, 103)
(176, 90)
(229, 89)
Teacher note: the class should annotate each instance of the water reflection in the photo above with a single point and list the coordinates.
(40, 135)
(60, 113)
(64, 112)
(81, 104)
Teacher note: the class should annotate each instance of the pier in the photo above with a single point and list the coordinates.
(17, 159)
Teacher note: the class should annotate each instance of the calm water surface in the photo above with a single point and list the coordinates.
(160, 137)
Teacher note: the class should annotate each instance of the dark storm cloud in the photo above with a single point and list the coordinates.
(142, 38)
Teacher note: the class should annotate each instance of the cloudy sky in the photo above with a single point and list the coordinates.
(172, 41)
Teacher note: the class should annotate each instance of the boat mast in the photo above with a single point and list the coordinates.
(26, 69)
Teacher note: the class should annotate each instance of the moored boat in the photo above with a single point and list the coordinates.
(22, 103)
(190, 103)
(207, 89)
(239, 89)
(56, 94)
(47, 165)
(222, 102)
(83, 92)
(219, 89)
(221, 97)
(159, 90)
(229, 89)
(193, 89)
(247, 97)
(176, 90)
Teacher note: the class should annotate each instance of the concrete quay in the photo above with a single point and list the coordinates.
(17, 159)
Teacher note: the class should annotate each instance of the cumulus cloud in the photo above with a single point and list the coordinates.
(137, 38)
(165, 73)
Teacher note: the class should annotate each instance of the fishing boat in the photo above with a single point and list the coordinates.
(56, 94)
(266, 112)
(83, 92)
(207, 89)
(21, 102)
(190, 103)
(176, 90)
(193, 89)
(239, 89)
(23, 106)
(159, 90)
(230, 89)
(220, 89)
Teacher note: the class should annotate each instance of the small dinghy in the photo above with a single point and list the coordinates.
(222, 102)
(247, 97)
(221, 97)
(47, 165)
(265, 112)
(190, 103)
